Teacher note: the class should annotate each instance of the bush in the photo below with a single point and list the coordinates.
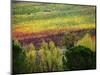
(79, 58)
(28, 60)
(56, 57)
(19, 64)
(51, 57)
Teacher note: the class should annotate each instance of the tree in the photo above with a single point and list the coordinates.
(79, 58)
(18, 58)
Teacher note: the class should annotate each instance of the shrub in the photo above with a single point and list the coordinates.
(19, 64)
(30, 56)
(47, 58)
(51, 57)
(79, 58)
(56, 57)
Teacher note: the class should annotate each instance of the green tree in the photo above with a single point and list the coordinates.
(18, 58)
(79, 58)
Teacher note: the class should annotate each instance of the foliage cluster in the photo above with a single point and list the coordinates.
(28, 60)
(50, 58)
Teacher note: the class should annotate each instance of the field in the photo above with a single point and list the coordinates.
(45, 32)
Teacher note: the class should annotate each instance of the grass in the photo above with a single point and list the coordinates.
(36, 17)
(88, 42)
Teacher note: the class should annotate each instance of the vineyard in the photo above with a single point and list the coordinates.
(45, 32)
